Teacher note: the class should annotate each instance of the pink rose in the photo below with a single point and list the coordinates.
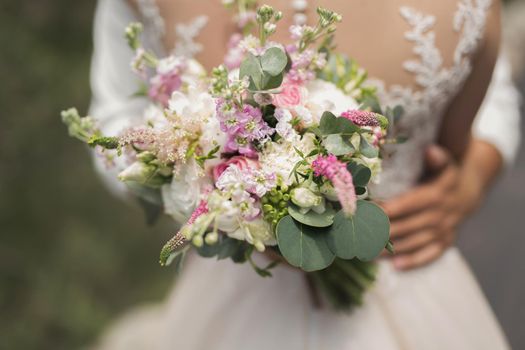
(241, 162)
(292, 94)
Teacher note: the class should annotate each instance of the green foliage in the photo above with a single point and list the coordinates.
(338, 145)
(265, 72)
(303, 246)
(364, 235)
(367, 149)
(345, 282)
(311, 218)
(361, 174)
(225, 247)
(330, 124)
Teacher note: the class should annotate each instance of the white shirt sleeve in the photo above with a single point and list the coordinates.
(498, 120)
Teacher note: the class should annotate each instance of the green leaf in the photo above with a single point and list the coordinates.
(274, 61)
(303, 246)
(177, 259)
(337, 145)
(270, 82)
(397, 113)
(251, 67)
(360, 191)
(311, 218)
(367, 149)
(330, 124)
(364, 235)
(361, 174)
(226, 247)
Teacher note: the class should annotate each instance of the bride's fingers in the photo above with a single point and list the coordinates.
(418, 199)
(413, 242)
(420, 257)
(414, 223)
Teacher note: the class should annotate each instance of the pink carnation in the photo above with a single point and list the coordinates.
(292, 94)
(336, 171)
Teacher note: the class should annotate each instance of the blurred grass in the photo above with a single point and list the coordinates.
(71, 256)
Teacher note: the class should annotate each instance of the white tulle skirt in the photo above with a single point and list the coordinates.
(224, 306)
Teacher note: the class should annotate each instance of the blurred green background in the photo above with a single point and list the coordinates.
(72, 257)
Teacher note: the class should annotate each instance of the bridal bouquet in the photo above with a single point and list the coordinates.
(271, 152)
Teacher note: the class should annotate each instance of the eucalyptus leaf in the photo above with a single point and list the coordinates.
(360, 191)
(330, 124)
(337, 145)
(364, 235)
(397, 113)
(273, 61)
(251, 67)
(367, 149)
(311, 218)
(303, 246)
(270, 82)
(361, 174)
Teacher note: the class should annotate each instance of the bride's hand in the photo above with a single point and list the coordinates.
(424, 220)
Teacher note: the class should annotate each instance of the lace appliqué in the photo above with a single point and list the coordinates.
(150, 12)
(185, 33)
(424, 108)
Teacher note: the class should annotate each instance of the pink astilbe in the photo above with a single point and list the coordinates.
(140, 137)
(361, 118)
(179, 240)
(335, 171)
(201, 209)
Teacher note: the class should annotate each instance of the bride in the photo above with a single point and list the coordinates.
(433, 58)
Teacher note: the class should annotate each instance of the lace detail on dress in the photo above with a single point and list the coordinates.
(424, 108)
(185, 33)
(150, 12)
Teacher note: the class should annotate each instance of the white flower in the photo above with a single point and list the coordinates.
(305, 198)
(283, 127)
(168, 64)
(304, 114)
(257, 232)
(280, 158)
(325, 96)
(182, 196)
(155, 117)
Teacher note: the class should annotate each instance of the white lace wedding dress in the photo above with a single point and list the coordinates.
(221, 305)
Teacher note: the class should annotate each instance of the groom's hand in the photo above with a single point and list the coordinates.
(424, 220)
